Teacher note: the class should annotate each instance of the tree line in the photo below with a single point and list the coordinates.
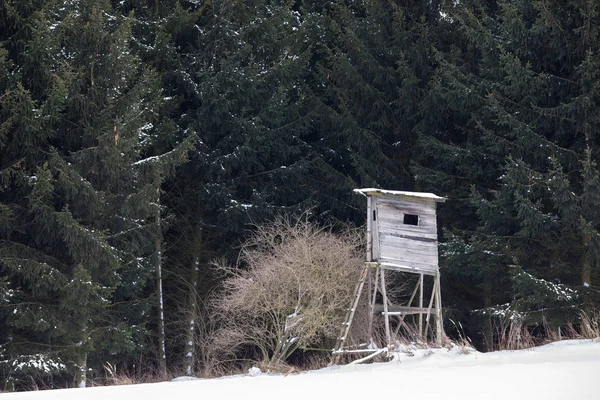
(140, 139)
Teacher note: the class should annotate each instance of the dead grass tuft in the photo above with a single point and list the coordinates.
(590, 324)
(512, 334)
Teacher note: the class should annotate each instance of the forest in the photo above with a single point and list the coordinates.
(147, 145)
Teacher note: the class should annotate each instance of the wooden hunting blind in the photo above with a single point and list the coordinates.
(401, 237)
(402, 230)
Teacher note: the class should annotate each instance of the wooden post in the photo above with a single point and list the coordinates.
(369, 229)
(430, 306)
(370, 298)
(438, 311)
(375, 248)
(372, 305)
(385, 311)
(421, 306)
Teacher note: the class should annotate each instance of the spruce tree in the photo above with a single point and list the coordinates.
(225, 68)
(79, 201)
(367, 68)
(513, 144)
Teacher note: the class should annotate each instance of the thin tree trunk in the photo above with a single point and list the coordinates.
(80, 373)
(162, 362)
(487, 327)
(193, 304)
(586, 267)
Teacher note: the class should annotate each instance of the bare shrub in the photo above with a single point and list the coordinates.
(296, 282)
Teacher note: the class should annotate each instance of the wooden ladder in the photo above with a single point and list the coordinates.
(341, 340)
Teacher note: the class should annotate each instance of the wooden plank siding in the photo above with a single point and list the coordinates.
(414, 246)
(392, 253)
(423, 208)
(400, 246)
(400, 230)
(415, 268)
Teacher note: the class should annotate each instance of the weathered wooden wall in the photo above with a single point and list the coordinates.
(396, 245)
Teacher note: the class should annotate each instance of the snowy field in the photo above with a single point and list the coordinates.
(562, 370)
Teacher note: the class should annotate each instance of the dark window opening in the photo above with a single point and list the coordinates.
(411, 219)
(374, 215)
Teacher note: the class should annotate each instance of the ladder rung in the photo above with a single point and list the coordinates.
(350, 311)
(341, 351)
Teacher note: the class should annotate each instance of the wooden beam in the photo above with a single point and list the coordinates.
(438, 311)
(369, 229)
(370, 356)
(372, 305)
(355, 351)
(386, 315)
(412, 296)
(400, 310)
(421, 306)
(420, 269)
(374, 216)
(430, 305)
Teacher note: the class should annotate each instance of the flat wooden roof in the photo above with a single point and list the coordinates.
(398, 193)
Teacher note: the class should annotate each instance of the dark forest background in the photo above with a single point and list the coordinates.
(141, 139)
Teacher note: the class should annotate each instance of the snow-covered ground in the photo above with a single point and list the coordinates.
(562, 370)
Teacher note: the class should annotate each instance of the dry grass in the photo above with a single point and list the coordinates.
(590, 324)
(512, 334)
(113, 376)
(463, 341)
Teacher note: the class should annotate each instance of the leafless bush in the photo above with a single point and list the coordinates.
(296, 282)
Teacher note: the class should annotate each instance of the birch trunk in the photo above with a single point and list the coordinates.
(80, 373)
(586, 267)
(190, 355)
(162, 362)
(488, 331)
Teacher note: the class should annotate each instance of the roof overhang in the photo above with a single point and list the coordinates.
(398, 193)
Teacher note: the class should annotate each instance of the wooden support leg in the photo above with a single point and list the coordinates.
(429, 307)
(372, 305)
(438, 311)
(421, 306)
(386, 315)
(369, 300)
